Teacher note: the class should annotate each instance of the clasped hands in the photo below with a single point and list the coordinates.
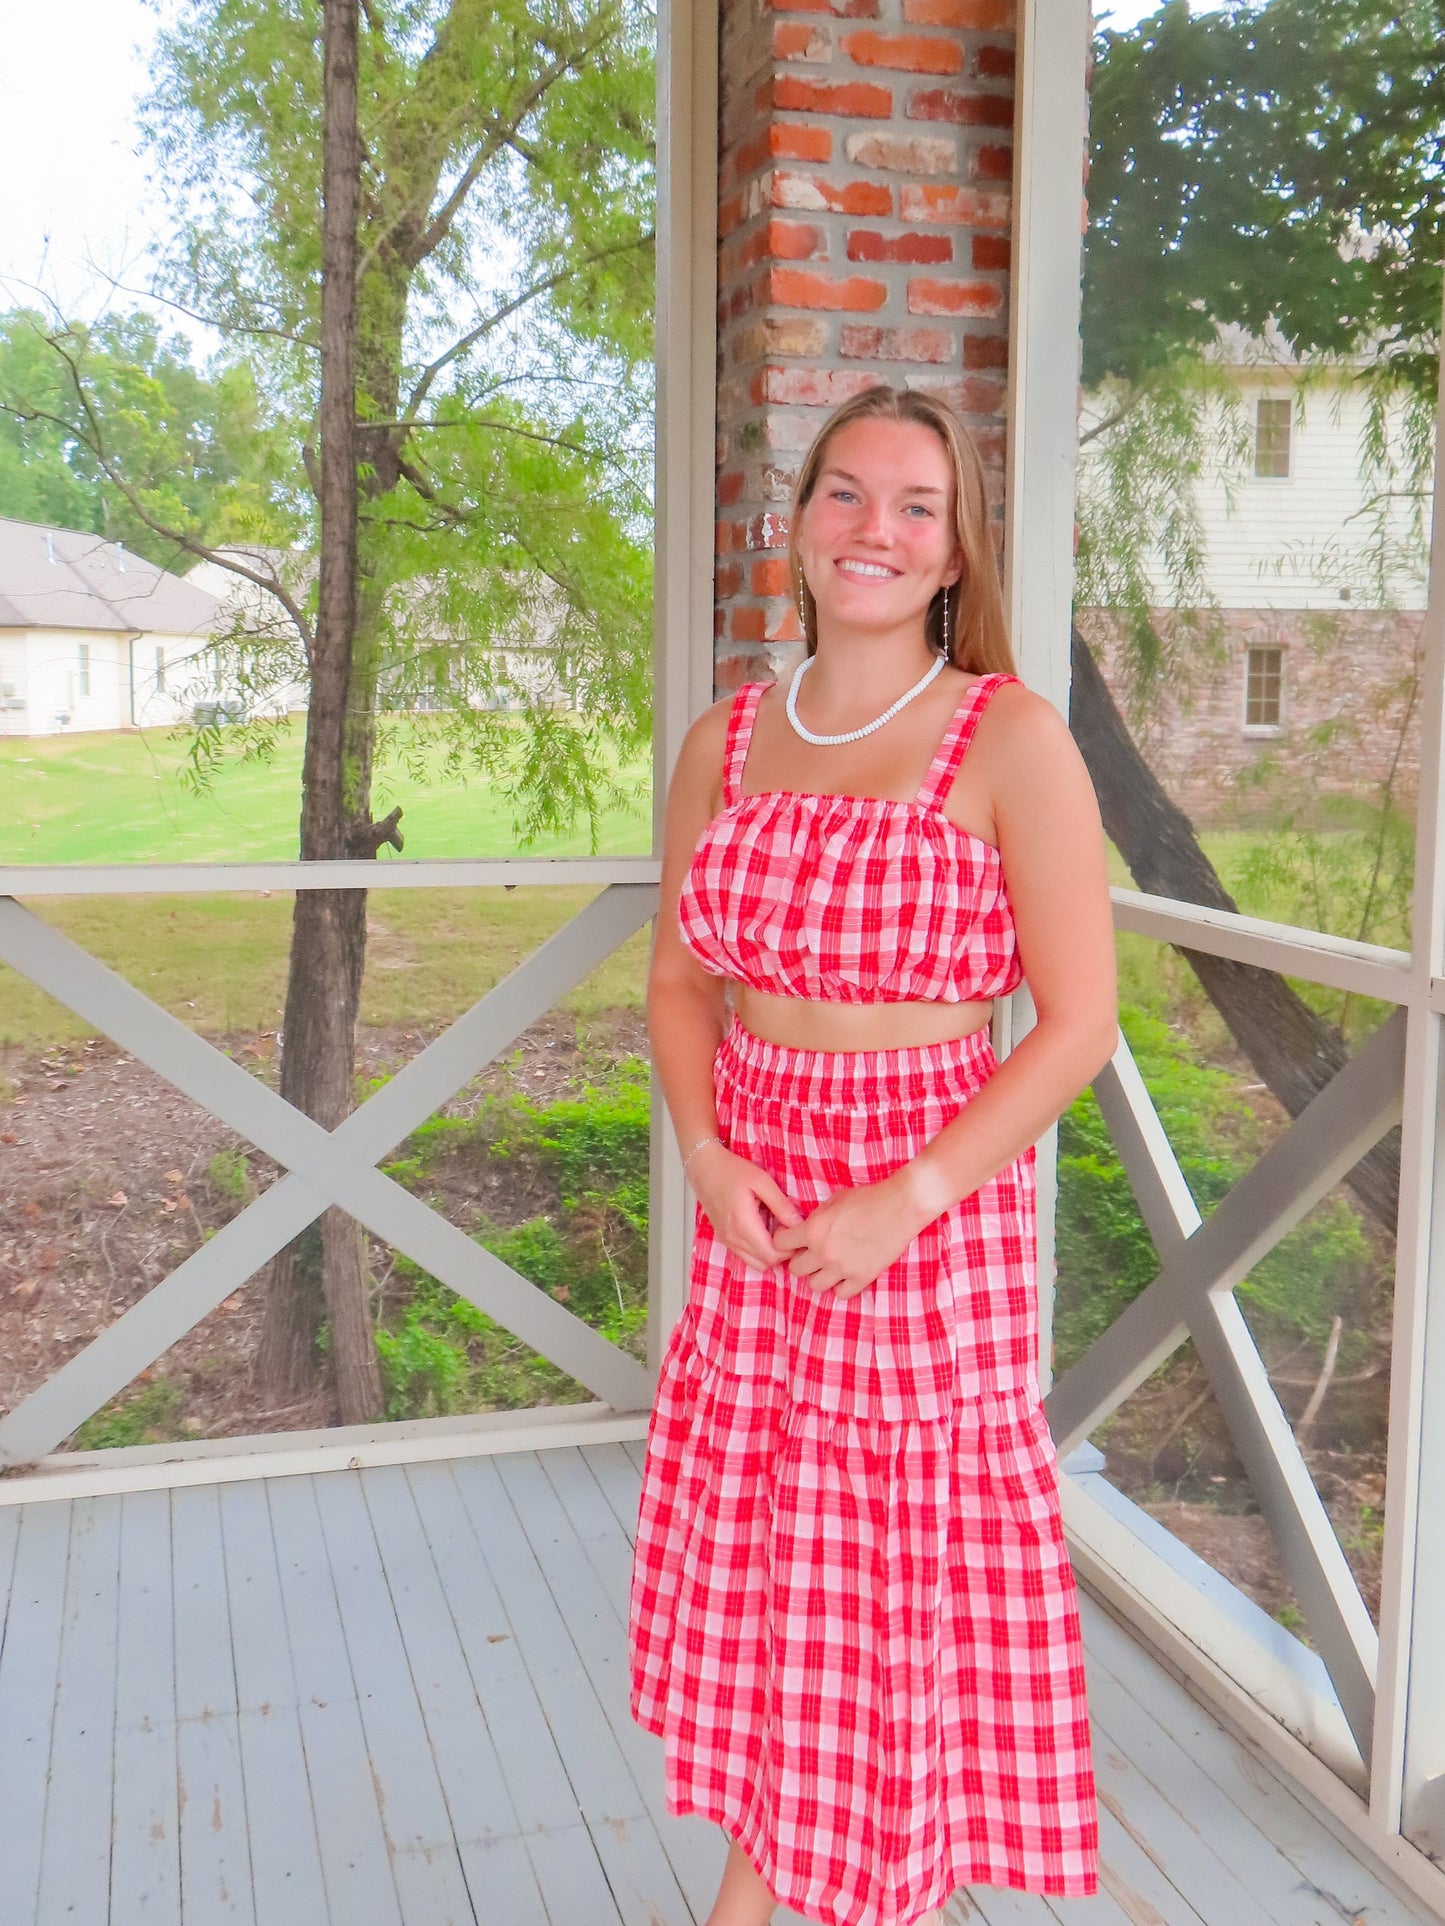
(843, 1244)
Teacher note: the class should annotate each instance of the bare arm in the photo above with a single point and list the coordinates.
(1055, 865)
(687, 1013)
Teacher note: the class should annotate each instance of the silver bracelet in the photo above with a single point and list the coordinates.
(697, 1147)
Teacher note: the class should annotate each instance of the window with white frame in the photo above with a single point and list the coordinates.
(1263, 687)
(160, 671)
(1272, 420)
(82, 680)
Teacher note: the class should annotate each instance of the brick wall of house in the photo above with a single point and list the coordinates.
(1349, 719)
(865, 160)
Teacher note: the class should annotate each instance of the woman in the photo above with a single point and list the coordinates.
(853, 1617)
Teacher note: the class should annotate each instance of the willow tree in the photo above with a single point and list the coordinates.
(1274, 166)
(447, 307)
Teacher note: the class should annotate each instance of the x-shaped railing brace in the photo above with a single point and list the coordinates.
(323, 1168)
(1193, 1295)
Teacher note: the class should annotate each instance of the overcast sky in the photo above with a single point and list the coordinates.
(75, 190)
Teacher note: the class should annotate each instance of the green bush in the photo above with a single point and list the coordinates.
(151, 1415)
(439, 1353)
(1105, 1254)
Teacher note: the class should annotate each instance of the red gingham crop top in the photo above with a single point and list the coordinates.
(851, 899)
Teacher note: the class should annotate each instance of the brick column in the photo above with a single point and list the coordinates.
(865, 161)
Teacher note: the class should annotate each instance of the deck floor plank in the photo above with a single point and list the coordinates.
(355, 1863)
(1270, 1882)
(290, 1889)
(557, 1606)
(216, 1878)
(429, 1881)
(145, 1869)
(29, 1676)
(596, 1618)
(1255, 1792)
(399, 1697)
(541, 1793)
(617, 1477)
(75, 1847)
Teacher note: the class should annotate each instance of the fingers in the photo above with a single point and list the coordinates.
(778, 1201)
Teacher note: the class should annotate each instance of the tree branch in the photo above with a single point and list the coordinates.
(499, 315)
(92, 440)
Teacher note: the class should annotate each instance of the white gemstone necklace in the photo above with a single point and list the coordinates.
(851, 735)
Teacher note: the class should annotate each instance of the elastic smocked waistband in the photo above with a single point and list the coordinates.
(835, 1079)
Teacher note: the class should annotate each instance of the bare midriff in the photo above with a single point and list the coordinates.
(805, 1023)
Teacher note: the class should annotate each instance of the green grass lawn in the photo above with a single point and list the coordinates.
(118, 797)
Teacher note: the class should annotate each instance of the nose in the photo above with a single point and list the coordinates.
(874, 524)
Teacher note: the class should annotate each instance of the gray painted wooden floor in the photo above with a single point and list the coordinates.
(399, 1698)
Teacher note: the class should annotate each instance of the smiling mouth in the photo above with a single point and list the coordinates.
(867, 571)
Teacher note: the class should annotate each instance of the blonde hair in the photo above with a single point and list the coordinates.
(979, 642)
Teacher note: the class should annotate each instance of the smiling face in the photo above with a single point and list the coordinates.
(876, 537)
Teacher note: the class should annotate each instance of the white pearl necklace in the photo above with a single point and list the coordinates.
(851, 735)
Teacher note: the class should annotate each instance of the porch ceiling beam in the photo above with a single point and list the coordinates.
(324, 1168)
(1304, 1164)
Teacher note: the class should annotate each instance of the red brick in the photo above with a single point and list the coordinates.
(992, 251)
(768, 530)
(783, 624)
(913, 53)
(731, 671)
(922, 154)
(727, 581)
(747, 625)
(800, 40)
(776, 484)
(954, 297)
(845, 9)
(917, 249)
(729, 213)
(778, 334)
(962, 109)
(813, 388)
(983, 16)
(859, 342)
(772, 577)
(953, 206)
(993, 163)
(792, 288)
(793, 240)
(985, 351)
(859, 99)
(809, 194)
(730, 488)
(970, 396)
(994, 63)
(787, 142)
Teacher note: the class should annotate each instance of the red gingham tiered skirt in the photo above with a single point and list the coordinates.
(853, 1618)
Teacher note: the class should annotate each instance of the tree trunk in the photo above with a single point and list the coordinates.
(1294, 1050)
(328, 941)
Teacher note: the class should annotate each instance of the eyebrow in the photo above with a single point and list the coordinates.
(917, 488)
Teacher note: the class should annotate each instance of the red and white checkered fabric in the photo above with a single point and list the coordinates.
(853, 1618)
(852, 899)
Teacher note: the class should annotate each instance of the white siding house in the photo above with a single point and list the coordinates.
(94, 637)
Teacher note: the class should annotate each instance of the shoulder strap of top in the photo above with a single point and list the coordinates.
(956, 738)
(740, 734)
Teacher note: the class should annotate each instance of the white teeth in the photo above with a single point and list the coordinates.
(868, 568)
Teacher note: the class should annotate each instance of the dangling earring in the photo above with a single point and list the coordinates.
(945, 620)
(802, 612)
